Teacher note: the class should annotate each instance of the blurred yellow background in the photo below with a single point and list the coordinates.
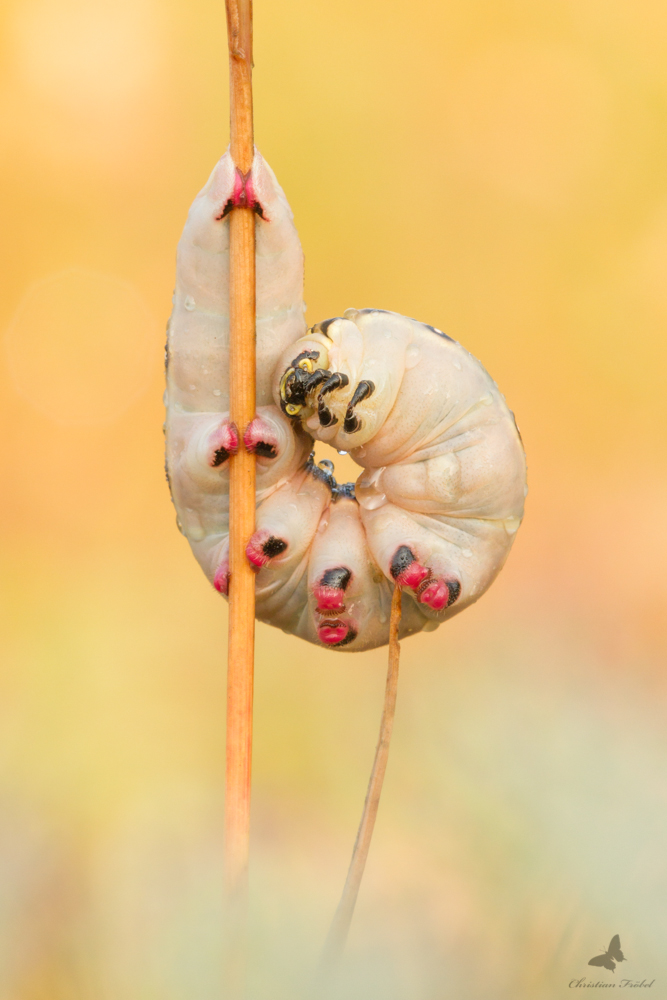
(495, 169)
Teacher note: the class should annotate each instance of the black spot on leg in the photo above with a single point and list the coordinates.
(454, 588)
(273, 546)
(265, 449)
(229, 205)
(350, 637)
(257, 209)
(403, 557)
(337, 578)
(219, 456)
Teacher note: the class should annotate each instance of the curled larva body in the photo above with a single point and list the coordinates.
(441, 490)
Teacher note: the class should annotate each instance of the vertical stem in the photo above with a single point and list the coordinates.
(340, 925)
(242, 484)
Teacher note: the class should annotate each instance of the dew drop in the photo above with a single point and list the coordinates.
(189, 303)
(467, 553)
(367, 491)
(511, 525)
(342, 453)
(192, 388)
(457, 365)
(217, 392)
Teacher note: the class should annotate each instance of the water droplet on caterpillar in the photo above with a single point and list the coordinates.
(431, 625)
(368, 491)
(412, 356)
(342, 452)
(511, 525)
(217, 392)
(457, 366)
(189, 303)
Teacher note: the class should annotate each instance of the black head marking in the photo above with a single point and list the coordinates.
(336, 381)
(305, 355)
(337, 578)
(273, 546)
(403, 557)
(325, 324)
(365, 389)
(316, 378)
(325, 415)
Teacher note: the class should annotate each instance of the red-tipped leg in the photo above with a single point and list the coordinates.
(263, 547)
(223, 442)
(434, 591)
(260, 439)
(221, 578)
(335, 633)
(330, 591)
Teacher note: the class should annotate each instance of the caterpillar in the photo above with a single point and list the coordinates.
(441, 489)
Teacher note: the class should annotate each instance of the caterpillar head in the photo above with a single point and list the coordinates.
(298, 381)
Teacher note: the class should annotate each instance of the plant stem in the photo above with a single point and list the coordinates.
(242, 478)
(340, 925)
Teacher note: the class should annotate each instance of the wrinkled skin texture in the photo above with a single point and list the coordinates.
(441, 490)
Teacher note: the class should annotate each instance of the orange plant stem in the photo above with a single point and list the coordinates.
(242, 466)
(340, 925)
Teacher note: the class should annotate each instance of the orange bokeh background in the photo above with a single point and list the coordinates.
(497, 170)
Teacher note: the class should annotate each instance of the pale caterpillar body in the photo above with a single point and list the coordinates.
(441, 492)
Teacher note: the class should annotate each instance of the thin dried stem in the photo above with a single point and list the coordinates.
(340, 925)
(242, 480)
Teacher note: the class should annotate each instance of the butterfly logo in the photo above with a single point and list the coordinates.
(612, 955)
